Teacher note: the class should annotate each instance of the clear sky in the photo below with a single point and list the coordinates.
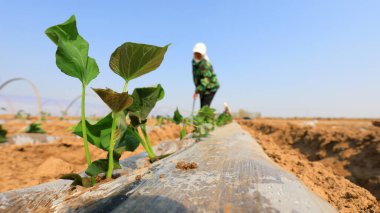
(277, 57)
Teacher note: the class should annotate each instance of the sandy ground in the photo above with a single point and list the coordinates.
(329, 156)
(27, 165)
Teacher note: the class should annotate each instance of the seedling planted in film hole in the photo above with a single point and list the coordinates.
(111, 133)
(34, 128)
(73, 60)
(180, 120)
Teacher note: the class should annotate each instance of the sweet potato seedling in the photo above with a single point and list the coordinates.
(73, 60)
(144, 101)
(34, 128)
(204, 122)
(223, 119)
(180, 120)
(112, 133)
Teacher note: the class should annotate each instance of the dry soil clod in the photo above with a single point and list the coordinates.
(186, 165)
(138, 177)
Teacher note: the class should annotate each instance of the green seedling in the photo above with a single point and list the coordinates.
(34, 128)
(223, 119)
(112, 133)
(144, 101)
(118, 102)
(3, 134)
(73, 60)
(204, 122)
(180, 120)
(130, 61)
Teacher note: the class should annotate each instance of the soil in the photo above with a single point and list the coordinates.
(334, 158)
(27, 165)
(186, 165)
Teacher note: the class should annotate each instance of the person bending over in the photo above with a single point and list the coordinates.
(205, 81)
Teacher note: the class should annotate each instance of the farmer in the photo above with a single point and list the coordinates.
(206, 83)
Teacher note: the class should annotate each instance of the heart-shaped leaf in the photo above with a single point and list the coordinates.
(131, 60)
(144, 100)
(72, 52)
(72, 59)
(116, 101)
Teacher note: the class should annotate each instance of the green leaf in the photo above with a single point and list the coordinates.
(204, 122)
(223, 119)
(100, 166)
(116, 101)
(65, 31)
(144, 100)
(131, 60)
(178, 118)
(34, 128)
(99, 134)
(72, 51)
(183, 133)
(207, 112)
(73, 60)
(77, 180)
(129, 141)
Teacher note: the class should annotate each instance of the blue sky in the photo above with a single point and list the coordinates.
(280, 58)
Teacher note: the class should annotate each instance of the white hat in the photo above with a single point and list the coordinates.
(200, 48)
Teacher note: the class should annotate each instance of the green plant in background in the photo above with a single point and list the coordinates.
(180, 120)
(3, 134)
(204, 122)
(34, 128)
(73, 60)
(223, 119)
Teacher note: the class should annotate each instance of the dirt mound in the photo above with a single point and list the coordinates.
(27, 165)
(322, 154)
(54, 168)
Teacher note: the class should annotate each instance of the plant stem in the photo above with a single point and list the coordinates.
(183, 131)
(125, 86)
(112, 144)
(143, 143)
(149, 144)
(84, 129)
